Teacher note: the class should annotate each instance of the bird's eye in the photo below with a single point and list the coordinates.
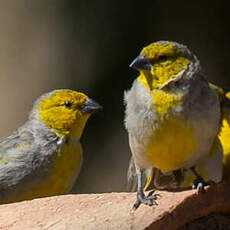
(162, 57)
(68, 104)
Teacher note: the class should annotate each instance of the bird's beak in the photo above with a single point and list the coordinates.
(141, 63)
(90, 107)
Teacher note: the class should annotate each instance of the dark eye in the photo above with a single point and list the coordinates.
(68, 104)
(162, 57)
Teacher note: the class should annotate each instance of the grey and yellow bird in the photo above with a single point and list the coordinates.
(183, 179)
(173, 118)
(43, 157)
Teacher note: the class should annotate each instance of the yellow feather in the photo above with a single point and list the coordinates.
(225, 140)
(168, 152)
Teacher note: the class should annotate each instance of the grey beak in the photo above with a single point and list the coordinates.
(141, 63)
(90, 106)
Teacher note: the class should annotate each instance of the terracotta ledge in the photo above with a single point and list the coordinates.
(113, 211)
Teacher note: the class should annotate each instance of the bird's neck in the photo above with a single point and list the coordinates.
(78, 128)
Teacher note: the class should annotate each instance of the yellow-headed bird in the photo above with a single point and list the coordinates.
(172, 116)
(43, 157)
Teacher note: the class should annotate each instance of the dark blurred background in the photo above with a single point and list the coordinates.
(88, 46)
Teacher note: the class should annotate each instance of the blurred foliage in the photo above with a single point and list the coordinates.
(88, 46)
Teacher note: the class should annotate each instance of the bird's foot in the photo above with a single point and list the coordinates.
(200, 184)
(150, 200)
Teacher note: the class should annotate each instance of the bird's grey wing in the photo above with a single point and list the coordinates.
(22, 163)
(224, 98)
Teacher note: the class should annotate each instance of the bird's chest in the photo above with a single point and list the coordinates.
(181, 131)
(172, 139)
(171, 130)
(170, 144)
(62, 172)
(66, 166)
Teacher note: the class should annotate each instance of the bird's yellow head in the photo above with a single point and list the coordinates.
(162, 62)
(65, 111)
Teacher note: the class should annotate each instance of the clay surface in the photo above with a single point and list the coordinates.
(114, 211)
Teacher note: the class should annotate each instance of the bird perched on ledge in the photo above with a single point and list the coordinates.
(44, 156)
(183, 178)
(172, 116)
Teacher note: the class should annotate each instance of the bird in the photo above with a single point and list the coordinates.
(43, 157)
(224, 138)
(172, 116)
(182, 179)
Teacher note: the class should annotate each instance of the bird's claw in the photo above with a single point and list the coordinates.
(150, 200)
(200, 184)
